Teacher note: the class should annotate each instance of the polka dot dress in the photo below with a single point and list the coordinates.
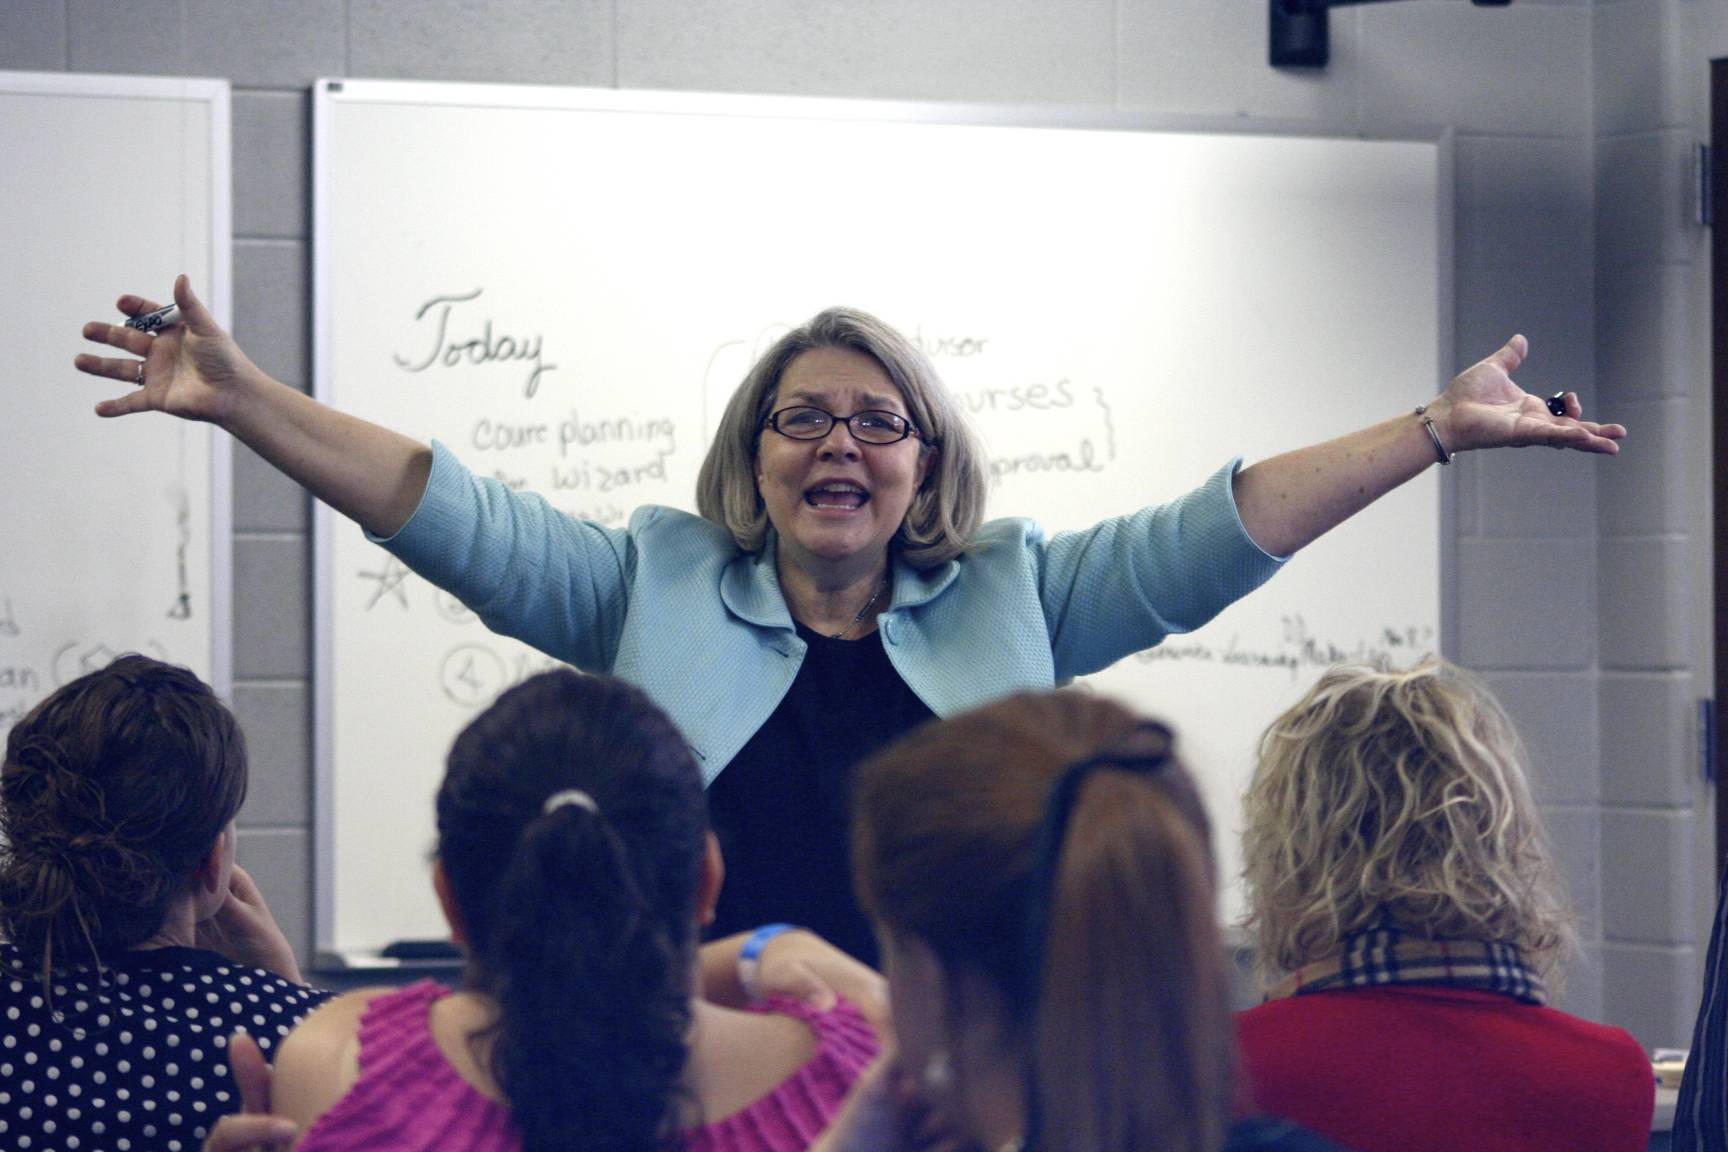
(135, 1058)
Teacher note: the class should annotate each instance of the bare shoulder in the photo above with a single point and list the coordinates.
(738, 1057)
(319, 1060)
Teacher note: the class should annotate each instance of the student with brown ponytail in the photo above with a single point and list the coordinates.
(1040, 875)
(575, 862)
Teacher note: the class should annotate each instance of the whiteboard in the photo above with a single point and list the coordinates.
(116, 533)
(564, 286)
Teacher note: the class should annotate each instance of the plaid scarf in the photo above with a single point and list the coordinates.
(1385, 956)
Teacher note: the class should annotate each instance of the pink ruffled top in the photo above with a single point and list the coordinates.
(409, 1098)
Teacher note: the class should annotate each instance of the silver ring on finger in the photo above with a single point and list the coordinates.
(139, 379)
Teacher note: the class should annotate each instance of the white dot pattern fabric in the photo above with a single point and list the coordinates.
(133, 1057)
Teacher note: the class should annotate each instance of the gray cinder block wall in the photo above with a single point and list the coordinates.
(1653, 515)
(1580, 586)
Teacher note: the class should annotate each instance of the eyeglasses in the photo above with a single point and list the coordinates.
(803, 422)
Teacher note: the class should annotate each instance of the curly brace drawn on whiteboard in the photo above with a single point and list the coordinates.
(842, 501)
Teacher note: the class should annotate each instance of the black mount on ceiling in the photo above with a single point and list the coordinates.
(1299, 30)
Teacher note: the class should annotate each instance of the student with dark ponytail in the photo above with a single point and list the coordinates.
(574, 861)
(1040, 874)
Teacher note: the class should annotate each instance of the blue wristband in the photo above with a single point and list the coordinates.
(750, 957)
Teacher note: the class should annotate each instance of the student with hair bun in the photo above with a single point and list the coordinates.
(574, 860)
(133, 943)
(1040, 874)
(1404, 902)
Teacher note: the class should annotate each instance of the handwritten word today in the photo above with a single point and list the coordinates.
(449, 352)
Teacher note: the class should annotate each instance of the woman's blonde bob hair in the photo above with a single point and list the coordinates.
(1397, 799)
(947, 507)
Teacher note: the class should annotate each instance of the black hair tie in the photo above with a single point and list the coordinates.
(1146, 751)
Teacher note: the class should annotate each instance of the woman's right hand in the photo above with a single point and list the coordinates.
(191, 369)
(194, 370)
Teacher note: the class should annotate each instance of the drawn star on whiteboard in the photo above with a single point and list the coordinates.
(390, 579)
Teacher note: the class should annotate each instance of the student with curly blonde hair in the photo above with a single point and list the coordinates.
(1401, 889)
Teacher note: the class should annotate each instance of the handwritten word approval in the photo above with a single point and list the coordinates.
(449, 352)
(1084, 458)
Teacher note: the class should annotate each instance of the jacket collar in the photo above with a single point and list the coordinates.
(914, 588)
(750, 589)
(750, 586)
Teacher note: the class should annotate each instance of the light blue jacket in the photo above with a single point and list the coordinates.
(671, 604)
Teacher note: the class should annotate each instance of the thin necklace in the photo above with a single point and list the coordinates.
(868, 604)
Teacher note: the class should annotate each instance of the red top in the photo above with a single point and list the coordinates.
(1414, 1069)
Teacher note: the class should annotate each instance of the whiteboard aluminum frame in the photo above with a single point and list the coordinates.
(329, 93)
(217, 294)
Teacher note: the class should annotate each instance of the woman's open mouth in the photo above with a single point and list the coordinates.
(837, 494)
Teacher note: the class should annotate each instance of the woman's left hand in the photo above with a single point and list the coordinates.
(1484, 408)
(798, 965)
(244, 930)
(1292, 499)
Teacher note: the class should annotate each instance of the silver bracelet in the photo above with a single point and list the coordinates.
(1433, 434)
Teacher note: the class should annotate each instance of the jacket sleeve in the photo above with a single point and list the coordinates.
(1126, 583)
(526, 569)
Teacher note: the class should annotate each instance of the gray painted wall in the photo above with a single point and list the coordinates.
(1653, 516)
(1582, 584)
